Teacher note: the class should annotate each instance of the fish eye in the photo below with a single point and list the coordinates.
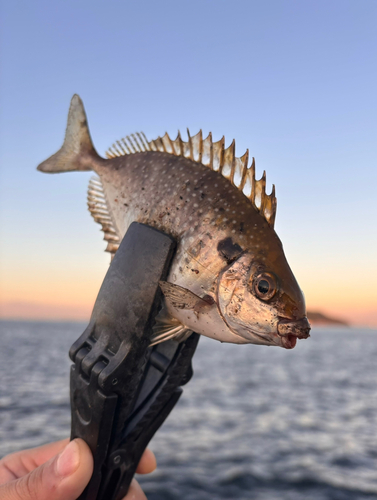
(265, 286)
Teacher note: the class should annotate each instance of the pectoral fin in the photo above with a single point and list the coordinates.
(181, 298)
(167, 327)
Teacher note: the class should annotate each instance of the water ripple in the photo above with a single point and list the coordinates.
(254, 423)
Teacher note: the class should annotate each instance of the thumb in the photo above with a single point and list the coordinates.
(64, 477)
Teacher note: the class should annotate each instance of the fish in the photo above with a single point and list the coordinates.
(229, 279)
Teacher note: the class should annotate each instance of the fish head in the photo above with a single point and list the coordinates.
(261, 301)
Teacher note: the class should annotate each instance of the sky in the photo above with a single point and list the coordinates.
(293, 81)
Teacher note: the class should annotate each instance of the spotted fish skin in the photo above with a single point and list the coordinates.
(224, 242)
(195, 205)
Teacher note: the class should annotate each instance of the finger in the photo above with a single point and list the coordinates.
(22, 462)
(63, 477)
(147, 462)
(135, 492)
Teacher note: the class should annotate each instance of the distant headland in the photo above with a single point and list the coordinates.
(318, 318)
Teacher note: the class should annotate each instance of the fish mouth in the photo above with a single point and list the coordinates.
(290, 330)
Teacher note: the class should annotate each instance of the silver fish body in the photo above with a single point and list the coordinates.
(229, 279)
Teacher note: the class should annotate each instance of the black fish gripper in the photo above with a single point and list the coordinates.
(122, 390)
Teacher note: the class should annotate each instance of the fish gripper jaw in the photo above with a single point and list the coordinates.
(122, 390)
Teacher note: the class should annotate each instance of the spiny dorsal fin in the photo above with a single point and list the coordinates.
(214, 156)
(98, 208)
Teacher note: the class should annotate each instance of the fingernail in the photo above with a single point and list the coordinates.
(68, 460)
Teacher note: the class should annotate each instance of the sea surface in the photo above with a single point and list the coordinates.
(255, 422)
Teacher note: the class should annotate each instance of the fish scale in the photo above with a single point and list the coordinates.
(197, 210)
(229, 279)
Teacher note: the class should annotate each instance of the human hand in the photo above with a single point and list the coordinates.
(57, 471)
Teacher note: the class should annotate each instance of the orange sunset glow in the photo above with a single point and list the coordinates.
(69, 293)
(297, 90)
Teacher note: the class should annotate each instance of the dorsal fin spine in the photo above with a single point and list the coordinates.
(167, 144)
(186, 148)
(217, 155)
(245, 160)
(272, 216)
(228, 161)
(214, 156)
(177, 145)
(200, 145)
(191, 156)
(207, 153)
(251, 175)
(196, 145)
(160, 145)
(233, 167)
(263, 194)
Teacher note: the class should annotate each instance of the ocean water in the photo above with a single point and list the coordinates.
(255, 422)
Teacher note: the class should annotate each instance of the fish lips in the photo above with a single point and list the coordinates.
(290, 330)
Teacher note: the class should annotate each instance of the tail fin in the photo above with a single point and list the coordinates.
(77, 152)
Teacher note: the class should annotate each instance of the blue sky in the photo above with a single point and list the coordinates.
(293, 81)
